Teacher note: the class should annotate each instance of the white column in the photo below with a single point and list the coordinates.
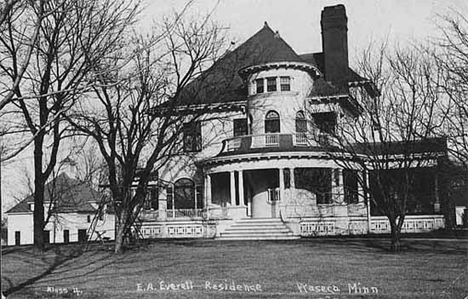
(369, 218)
(361, 190)
(233, 188)
(292, 183)
(436, 194)
(207, 190)
(337, 186)
(162, 203)
(241, 188)
(281, 183)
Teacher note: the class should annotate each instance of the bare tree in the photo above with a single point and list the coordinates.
(141, 112)
(44, 75)
(450, 52)
(391, 139)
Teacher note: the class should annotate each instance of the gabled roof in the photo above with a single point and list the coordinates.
(221, 83)
(70, 196)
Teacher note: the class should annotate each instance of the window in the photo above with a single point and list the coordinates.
(272, 122)
(151, 200)
(315, 180)
(260, 85)
(184, 194)
(88, 218)
(199, 190)
(192, 137)
(350, 182)
(169, 197)
(325, 121)
(301, 122)
(66, 236)
(240, 127)
(17, 238)
(285, 83)
(271, 84)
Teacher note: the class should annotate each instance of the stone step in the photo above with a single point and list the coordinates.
(256, 220)
(253, 231)
(258, 229)
(260, 226)
(260, 238)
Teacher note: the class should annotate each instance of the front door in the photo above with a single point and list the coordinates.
(265, 204)
(264, 193)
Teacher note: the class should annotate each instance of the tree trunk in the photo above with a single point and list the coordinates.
(120, 232)
(396, 225)
(38, 195)
(395, 244)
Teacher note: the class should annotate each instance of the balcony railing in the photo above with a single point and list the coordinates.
(273, 140)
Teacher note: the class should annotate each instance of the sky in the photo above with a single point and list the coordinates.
(298, 22)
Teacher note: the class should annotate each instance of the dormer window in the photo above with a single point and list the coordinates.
(272, 122)
(271, 84)
(260, 87)
(301, 122)
(285, 83)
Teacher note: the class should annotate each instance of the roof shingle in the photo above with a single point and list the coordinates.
(70, 196)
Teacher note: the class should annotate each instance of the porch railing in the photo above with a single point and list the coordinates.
(181, 213)
(272, 140)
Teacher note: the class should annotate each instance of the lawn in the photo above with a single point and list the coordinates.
(312, 268)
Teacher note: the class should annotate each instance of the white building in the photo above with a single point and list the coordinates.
(254, 171)
(73, 207)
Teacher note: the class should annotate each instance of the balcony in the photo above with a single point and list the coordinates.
(270, 142)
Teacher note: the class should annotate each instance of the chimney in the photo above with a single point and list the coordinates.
(335, 45)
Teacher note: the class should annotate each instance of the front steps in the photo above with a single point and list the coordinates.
(258, 229)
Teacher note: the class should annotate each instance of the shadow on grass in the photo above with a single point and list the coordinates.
(358, 244)
(61, 255)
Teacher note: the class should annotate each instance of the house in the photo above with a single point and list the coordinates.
(72, 210)
(255, 172)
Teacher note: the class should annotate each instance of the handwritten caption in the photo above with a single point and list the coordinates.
(225, 285)
(62, 290)
(188, 285)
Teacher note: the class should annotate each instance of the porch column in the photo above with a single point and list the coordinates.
(162, 203)
(337, 186)
(207, 190)
(241, 188)
(361, 190)
(292, 183)
(233, 188)
(436, 194)
(281, 183)
(369, 218)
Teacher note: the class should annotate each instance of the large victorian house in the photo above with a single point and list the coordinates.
(257, 171)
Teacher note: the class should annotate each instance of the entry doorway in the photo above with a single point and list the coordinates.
(263, 187)
(82, 237)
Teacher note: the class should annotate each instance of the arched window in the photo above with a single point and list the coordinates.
(301, 122)
(272, 122)
(184, 194)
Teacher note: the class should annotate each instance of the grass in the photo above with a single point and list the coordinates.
(426, 269)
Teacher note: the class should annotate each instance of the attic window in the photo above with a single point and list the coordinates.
(260, 85)
(285, 83)
(271, 84)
